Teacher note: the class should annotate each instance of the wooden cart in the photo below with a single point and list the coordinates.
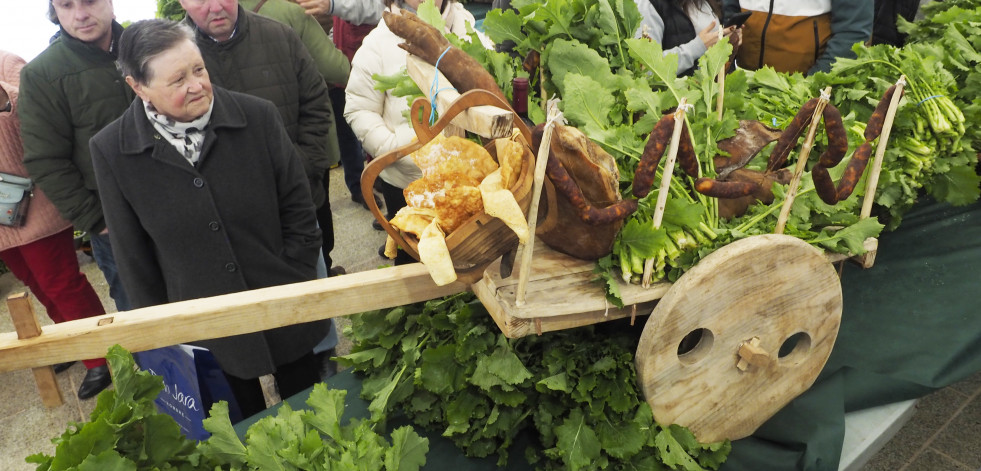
(724, 348)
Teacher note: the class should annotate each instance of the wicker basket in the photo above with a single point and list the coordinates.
(482, 239)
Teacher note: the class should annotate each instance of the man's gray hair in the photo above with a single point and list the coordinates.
(52, 14)
(144, 40)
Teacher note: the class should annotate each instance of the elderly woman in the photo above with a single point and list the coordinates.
(205, 195)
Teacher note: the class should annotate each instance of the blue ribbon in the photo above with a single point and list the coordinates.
(434, 89)
(928, 98)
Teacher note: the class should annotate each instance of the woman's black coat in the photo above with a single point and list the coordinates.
(241, 219)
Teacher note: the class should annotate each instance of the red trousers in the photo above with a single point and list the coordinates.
(49, 267)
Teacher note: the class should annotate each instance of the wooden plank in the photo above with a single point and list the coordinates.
(561, 294)
(22, 314)
(490, 122)
(47, 386)
(25, 321)
(866, 260)
(221, 316)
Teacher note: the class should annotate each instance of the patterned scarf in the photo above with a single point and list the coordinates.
(188, 137)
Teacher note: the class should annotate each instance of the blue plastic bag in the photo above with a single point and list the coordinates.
(193, 381)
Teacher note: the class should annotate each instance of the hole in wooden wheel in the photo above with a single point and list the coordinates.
(695, 346)
(795, 348)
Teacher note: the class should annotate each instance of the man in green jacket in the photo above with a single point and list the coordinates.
(333, 67)
(67, 94)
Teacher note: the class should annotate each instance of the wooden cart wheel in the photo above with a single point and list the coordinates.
(739, 336)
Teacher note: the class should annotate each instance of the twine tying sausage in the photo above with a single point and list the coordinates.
(435, 86)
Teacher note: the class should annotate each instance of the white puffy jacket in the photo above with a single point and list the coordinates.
(377, 117)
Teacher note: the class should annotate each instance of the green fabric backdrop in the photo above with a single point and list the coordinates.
(910, 325)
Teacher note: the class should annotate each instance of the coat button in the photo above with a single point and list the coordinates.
(198, 182)
(214, 225)
(231, 267)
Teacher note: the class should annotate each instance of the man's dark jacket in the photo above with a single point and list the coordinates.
(67, 94)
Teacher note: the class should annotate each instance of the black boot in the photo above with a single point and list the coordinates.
(96, 379)
(62, 366)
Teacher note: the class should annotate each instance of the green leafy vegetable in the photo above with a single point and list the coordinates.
(125, 432)
(576, 390)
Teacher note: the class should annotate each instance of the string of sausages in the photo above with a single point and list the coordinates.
(837, 146)
(823, 185)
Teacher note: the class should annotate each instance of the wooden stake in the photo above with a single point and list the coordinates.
(880, 150)
(662, 192)
(722, 83)
(25, 322)
(541, 161)
(805, 152)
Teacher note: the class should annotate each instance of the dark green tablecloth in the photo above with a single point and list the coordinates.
(910, 325)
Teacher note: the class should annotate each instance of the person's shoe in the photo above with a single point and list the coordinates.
(377, 226)
(358, 198)
(381, 252)
(329, 367)
(336, 270)
(61, 367)
(96, 379)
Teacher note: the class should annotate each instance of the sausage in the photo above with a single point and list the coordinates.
(686, 153)
(788, 140)
(531, 62)
(615, 212)
(874, 127)
(837, 137)
(727, 190)
(823, 185)
(563, 182)
(566, 186)
(854, 170)
(653, 151)
(426, 42)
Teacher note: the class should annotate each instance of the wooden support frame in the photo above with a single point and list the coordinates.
(25, 321)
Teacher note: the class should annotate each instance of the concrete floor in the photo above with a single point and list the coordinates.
(943, 434)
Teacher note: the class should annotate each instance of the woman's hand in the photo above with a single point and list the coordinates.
(315, 7)
(710, 35)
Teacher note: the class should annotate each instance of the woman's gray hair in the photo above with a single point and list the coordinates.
(144, 40)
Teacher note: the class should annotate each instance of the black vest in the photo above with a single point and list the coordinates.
(678, 28)
(884, 29)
